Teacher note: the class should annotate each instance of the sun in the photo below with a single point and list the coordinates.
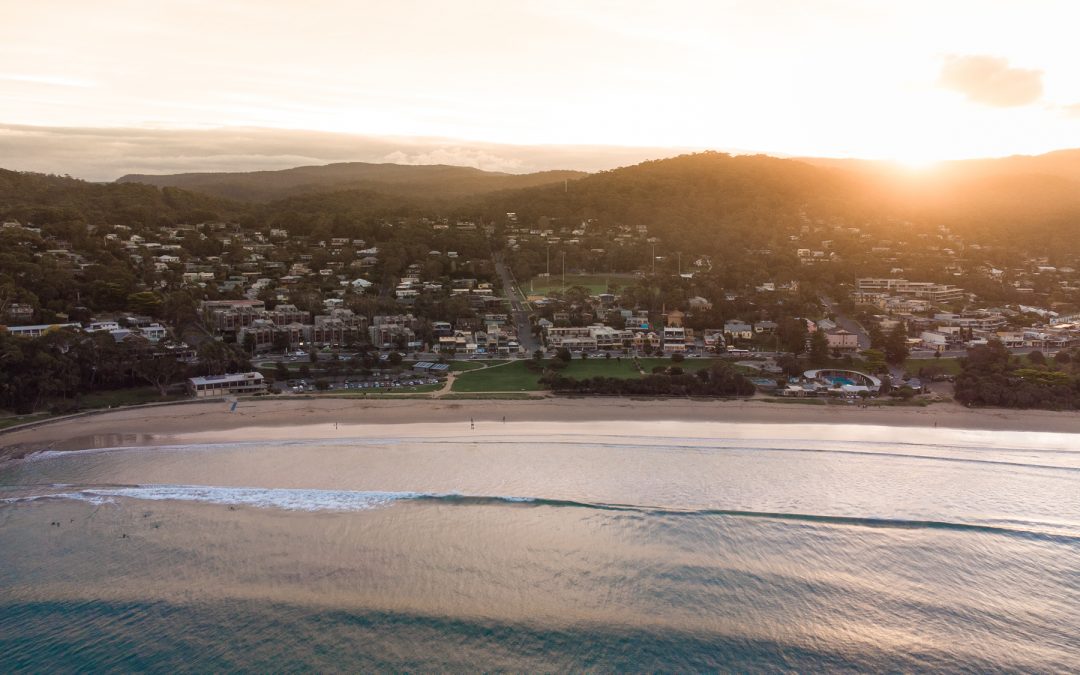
(917, 163)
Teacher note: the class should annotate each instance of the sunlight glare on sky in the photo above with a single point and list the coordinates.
(912, 81)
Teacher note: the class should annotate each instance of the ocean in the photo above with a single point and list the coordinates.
(629, 547)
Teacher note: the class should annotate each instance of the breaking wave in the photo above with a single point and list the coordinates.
(312, 500)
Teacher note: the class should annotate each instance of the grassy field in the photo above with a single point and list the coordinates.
(596, 283)
(516, 377)
(951, 366)
(510, 377)
(463, 366)
(583, 368)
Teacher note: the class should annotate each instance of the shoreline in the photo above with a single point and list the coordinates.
(213, 422)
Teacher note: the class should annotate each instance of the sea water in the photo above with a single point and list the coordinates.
(726, 547)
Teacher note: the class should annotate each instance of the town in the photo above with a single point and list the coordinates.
(224, 308)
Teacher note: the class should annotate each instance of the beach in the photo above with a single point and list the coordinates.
(314, 417)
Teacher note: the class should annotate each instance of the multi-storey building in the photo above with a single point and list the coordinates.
(925, 290)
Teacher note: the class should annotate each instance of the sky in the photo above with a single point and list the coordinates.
(491, 82)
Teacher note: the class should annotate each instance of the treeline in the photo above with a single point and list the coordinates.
(992, 377)
(45, 199)
(720, 380)
(52, 372)
(403, 180)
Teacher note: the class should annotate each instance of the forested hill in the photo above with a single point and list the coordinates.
(693, 202)
(46, 199)
(697, 198)
(425, 181)
(1060, 164)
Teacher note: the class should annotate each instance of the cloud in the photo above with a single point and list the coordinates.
(991, 81)
(107, 153)
(457, 156)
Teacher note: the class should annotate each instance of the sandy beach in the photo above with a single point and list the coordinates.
(214, 422)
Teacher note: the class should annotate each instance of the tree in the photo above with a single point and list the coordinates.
(819, 348)
(789, 365)
(877, 338)
(896, 349)
(875, 360)
(1037, 358)
(394, 358)
(160, 371)
(179, 309)
(677, 357)
(563, 354)
(791, 334)
(144, 302)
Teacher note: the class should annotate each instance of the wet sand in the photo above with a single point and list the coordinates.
(315, 418)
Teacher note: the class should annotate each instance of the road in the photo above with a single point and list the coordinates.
(519, 309)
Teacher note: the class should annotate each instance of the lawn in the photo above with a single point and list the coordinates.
(462, 366)
(516, 377)
(596, 283)
(949, 365)
(584, 368)
(510, 377)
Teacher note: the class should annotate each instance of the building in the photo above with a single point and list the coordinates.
(843, 381)
(842, 340)
(924, 290)
(393, 331)
(676, 339)
(738, 330)
(20, 312)
(155, 332)
(222, 385)
(38, 330)
(340, 327)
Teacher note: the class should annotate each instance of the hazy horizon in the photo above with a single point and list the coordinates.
(99, 90)
(106, 154)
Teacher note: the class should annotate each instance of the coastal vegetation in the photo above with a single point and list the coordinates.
(990, 376)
